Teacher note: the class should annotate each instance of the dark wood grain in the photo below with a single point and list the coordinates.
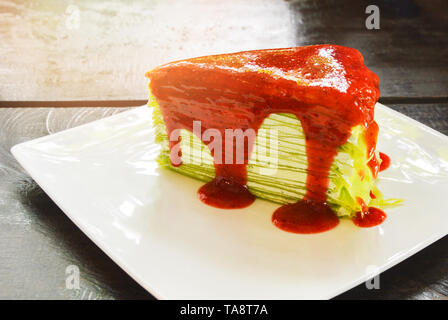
(46, 55)
(424, 276)
(38, 242)
(100, 50)
(433, 115)
(409, 52)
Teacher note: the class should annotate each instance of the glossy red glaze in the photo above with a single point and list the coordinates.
(385, 161)
(327, 87)
(371, 137)
(305, 216)
(369, 218)
(225, 194)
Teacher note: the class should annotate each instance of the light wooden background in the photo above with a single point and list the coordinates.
(66, 62)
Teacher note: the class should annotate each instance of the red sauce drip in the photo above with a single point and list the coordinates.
(326, 87)
(225, 194)
(385, 161)
(305, 216)
(371, 138)
(369, 218)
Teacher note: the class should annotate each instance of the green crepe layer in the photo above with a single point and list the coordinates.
(277, 167)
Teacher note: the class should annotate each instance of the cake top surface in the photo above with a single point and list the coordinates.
(337, 70)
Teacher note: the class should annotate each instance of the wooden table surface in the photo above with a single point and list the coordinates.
(63, 63)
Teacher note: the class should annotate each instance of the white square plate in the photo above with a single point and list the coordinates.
(103, 175)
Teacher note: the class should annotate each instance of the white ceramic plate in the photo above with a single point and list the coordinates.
(103, 175)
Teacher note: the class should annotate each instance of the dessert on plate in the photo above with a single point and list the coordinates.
(293, 126)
